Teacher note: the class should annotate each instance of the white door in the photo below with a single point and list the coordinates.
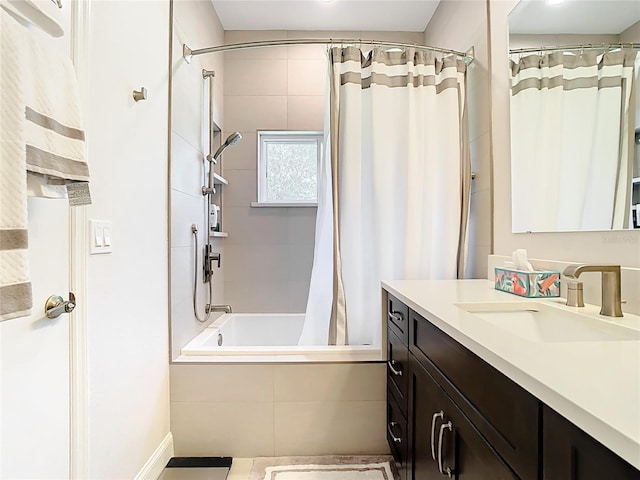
(35, 352)
(34, 358)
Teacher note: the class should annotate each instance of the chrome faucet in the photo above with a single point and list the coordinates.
(611, 296)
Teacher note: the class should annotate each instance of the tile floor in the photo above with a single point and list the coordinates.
(240, 469)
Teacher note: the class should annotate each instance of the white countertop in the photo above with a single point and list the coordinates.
(595, 385)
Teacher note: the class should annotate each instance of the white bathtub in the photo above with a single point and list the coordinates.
(250, 337)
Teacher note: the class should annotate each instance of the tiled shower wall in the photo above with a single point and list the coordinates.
(197, 25)
(269, 252)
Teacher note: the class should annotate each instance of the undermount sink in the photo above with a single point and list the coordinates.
(541, 322)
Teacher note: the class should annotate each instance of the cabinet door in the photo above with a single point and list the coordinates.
(437, 428)
(505, 414)
(571, 454)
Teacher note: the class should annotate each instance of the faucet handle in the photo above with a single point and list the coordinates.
(575, 294)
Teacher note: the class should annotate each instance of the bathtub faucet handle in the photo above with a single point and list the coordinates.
(214, 256)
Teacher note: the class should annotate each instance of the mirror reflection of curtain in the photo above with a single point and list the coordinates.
(571, 120)
(391, 190)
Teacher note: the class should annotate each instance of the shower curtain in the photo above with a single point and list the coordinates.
(394, 186)
(571, 123)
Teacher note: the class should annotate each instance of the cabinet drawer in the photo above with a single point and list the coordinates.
(397, 369)
(397, 435)
(398, 318)
(505, 413)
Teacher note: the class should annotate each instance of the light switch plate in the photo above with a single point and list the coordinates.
(101, 237)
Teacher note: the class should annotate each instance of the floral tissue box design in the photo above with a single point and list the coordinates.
(528, 284)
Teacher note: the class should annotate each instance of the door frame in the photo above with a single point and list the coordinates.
(78, 256)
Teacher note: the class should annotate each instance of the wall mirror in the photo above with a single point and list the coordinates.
(575, 115)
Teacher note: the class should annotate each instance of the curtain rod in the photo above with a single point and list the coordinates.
(589, 46)
(187, 52)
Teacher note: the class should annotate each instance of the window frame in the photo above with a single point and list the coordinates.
(266, 137)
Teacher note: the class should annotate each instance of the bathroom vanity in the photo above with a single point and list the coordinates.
(475, 390)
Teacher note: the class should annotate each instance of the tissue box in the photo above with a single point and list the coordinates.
(534, 284)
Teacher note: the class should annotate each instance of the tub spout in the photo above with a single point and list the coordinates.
(219, 308)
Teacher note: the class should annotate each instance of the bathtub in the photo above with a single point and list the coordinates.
(250, 337)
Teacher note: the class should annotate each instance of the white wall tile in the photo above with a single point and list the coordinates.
(185, 211)
(187, 167)
(251, 113)
(187, 98)
(181, 274)
(300, 269)
(480, 219)
(306, 77)
(257, 262)
(241, 36)
(222, 383)
(242, 188)
(323, 428)
(297, 294)
(242, 156)
(481, 163)
(301, 226)
(256, 226)
(306, 112)
(256, 77)
(253, 296)
(330, 382)
(236, 429)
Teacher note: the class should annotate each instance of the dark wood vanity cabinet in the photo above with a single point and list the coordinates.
(446, 403)
(571, 454)
(442, 440)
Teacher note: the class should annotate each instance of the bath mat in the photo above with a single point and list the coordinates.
(329, 467)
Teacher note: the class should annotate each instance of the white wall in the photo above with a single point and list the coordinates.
(196, 24)
(460, 25)
(127, 291)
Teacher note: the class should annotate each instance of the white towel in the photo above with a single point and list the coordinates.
(44, 14)
(54, 137)
(15, 288)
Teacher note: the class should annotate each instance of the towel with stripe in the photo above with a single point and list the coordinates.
(54, 138)
(40, 133)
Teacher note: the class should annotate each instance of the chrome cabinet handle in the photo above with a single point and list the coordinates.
(393, 437)
(436, 415)
(397, 316)
(443, 470)
(390, 364)
(56, 305)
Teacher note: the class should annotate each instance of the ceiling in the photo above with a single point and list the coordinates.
(574, 17)
(347, 15)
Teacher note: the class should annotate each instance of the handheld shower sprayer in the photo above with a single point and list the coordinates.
(232, 139)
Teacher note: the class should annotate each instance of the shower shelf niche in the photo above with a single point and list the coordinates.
(219, 181)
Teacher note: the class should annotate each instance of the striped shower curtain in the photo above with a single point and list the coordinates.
(394, 186)
(571, 141)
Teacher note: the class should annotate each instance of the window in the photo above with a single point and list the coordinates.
(288, 168)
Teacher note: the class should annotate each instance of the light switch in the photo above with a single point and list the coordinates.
(98, 237)
(106, 237)
(101, 237)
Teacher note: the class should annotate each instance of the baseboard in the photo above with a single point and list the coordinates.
(152, 469)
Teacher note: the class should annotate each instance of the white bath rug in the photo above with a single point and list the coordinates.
(328, 467)
(371, 471)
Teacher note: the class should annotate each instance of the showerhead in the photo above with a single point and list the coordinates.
(231, 140)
